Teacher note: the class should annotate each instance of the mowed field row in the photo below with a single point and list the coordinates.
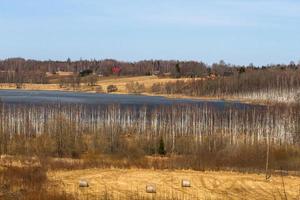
(131, 184)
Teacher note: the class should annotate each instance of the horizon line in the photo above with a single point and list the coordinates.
(147, 59)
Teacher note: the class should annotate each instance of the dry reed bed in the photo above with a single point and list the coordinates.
(131, 183)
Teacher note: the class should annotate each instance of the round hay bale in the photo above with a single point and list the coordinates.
(185, 183)
(150, 188)
(83, 183)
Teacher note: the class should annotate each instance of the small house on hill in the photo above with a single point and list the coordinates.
(116, 70)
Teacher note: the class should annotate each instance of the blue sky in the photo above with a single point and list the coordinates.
(237, 31)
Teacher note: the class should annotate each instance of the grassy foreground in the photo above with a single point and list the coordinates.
(38, 179)
(131, 183)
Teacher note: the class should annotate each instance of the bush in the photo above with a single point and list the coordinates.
(157, 88)
(111, 88)
(85, 72)
(28, 183)
(90, 80)
(135, 87)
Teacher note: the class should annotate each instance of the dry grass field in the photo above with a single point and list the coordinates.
(131, 183)
(148, 81)
(120, 82)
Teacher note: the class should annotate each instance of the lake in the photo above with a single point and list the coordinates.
(54, 97)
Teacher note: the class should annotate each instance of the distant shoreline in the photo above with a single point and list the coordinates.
(55, 87)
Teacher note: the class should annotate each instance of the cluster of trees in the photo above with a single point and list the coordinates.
(74, 81)
(209, 136)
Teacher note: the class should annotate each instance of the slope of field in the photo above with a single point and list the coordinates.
(131, 183)
(120, 82)
(148, 81)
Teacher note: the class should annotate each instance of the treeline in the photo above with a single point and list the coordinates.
(34, 71)
(281, 85)
(206, 136)
(104, 67)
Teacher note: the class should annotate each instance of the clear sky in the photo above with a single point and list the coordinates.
(237, 31)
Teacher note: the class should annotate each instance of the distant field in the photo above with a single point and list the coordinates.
(120, 82)
(148, 81)
(131, 183)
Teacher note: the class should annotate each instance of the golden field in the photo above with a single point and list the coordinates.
(120, 82)
(148, 81)
(29, 177)
(131, 183)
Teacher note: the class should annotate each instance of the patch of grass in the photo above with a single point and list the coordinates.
(28, 183)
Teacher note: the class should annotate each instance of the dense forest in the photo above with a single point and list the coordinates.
(206, 136)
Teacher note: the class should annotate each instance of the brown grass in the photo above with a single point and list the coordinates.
(22, 180)
(148, 81)
(131, 183)
(120, 82)
(29, 183)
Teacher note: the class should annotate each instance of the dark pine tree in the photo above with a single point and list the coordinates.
(161, 148)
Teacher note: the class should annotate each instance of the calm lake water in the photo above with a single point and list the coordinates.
(50, 97)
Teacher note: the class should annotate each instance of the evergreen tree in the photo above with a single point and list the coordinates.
(161, 148)
(178, 72)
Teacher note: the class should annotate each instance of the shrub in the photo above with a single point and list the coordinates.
(85, 72)
(157, 88)
(90, 80)
(111, 88)
(135, 87)
(28, 183)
